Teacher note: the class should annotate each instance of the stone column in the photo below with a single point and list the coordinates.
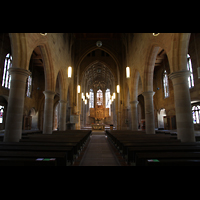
(118, 120)
(134, 115)
(149, 112)
(48, 112)
(62, 117)
(13, 127)
(184, 120)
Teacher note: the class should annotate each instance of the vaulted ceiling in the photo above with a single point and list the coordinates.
(99, 76)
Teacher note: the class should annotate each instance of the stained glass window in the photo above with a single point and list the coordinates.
(1, 114)
(99, 97)
(165, 84)
(6, 77)
(195, 114)
(29, 86)
(189, 67)
(91, 101)
(108, 101)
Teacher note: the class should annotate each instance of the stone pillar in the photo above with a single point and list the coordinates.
(118, 120)
(13, 127)
(184, 120)
(62, 117)
(48, 112)
(149, 112)
(134, 115)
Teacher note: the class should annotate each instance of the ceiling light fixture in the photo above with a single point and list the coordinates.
(43, 34)
(99, 43)
(156, 34)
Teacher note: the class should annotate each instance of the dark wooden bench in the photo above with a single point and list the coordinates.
(141, 158)
(34, 145)
(67, 137)
(172, 162)
(66, 149)
(28, 162)
(61, 157)
(132, 151)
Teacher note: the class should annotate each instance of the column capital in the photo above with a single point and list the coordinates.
(49, 94)
(180, 74)
(148, 93)
(19, 71)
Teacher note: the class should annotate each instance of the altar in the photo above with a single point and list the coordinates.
(98, 127)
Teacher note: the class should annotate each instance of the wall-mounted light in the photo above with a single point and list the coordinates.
(69, 72)
(85, 101)
(78, 88)
(118, 89)
(156, 34)
(128, 75)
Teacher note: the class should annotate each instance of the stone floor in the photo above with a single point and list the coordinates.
(99, 152)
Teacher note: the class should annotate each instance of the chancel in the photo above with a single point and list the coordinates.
(99, 99)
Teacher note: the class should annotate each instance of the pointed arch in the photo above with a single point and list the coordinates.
(107, 50)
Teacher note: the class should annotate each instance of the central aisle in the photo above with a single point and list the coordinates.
(98, 152)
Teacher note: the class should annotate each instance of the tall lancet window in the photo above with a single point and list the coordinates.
(189, 67)
(91, 101)
(165, 84)
(99, 97)
(108, 100)
(29, 86)
(196, 114)
(6, 77)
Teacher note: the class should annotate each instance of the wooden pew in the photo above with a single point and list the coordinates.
(133, 143)
(61, 157)
(34, 145)
(27, 162)
(172, 162)
(132, 151)
(142, 157)
(66, 149)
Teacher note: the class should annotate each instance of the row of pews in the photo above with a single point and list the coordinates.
(141, 149)
(61, 148)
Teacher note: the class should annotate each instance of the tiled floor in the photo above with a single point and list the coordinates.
(99, 152)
